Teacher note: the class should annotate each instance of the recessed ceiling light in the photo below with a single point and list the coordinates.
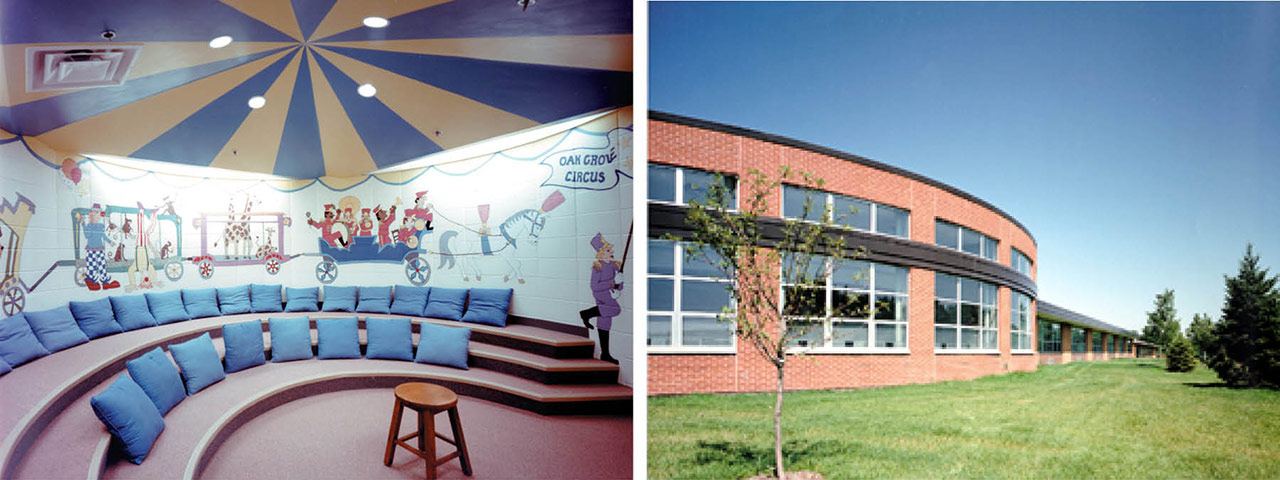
(375, 22)
(367, 90)
(220, 42)
(257, 101)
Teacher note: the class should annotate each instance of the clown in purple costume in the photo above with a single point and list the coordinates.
(606, 284)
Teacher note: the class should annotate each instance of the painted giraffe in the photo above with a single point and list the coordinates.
(266, 247)
(237, 232)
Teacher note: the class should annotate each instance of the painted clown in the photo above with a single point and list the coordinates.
(95, 237)
(606, 285)
(326, 227)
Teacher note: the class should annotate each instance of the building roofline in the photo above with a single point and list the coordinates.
(791, 142)
(1055, 312)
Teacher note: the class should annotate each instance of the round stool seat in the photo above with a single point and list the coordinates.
(426, 396)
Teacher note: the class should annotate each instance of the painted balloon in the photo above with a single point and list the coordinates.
(71, 171)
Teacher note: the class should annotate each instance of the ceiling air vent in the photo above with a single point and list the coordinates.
(65, 67)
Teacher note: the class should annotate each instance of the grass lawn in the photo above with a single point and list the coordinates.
(1117, 419)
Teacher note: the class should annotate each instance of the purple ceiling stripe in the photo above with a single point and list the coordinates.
(501, 18)
(310, 13)
(300, 155)
(29, 21)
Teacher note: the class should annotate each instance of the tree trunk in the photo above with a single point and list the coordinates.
(777, 425)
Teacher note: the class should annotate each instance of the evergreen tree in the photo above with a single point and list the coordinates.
(1247, 350)
(1162, 324)
(1200, 333)
(1181, 357)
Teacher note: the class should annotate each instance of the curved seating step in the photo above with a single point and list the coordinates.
(541, 341)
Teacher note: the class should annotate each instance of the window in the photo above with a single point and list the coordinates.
(1020, 322)
(964, 314)
(862, 305)
(1078, 340)
(681, 185)
(1050, 337)
(848, 211)
(1020, 262)
(1097, 342)
(964, 239)
(685, 297)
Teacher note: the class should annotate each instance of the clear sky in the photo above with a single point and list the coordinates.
(1140, 143)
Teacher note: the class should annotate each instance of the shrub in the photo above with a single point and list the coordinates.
(1181, 356)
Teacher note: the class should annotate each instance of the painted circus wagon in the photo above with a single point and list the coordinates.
(141, 239)
(14, 218)
(366, 249)
(248, 238)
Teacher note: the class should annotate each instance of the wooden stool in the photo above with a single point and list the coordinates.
(428, 400)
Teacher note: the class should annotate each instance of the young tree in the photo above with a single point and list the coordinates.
(1162, 324)
(1180, 356)
(752, 250)
(1247, 348)
(1200, 333)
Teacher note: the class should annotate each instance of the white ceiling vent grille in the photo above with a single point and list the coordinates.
(65, 67)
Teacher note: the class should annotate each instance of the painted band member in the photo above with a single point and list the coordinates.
(606, 284)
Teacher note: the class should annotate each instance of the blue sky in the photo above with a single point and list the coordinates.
(1139, 142)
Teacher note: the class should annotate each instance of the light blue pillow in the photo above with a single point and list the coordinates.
(339, 337)
(234, 300)
(488, 306)
(302, 299)
(265, 298)
(96, 319)
(389, 338)
(243, 342)
(199, 362)
(410, 300)
(56, 328)
(130, 416)
(374, 300)
(290, 339)
(441, 345)
(158, 378)
(339, 299)
(167, 307)
(18, 344)
(446, 303)
(132, 312)
(201, 303)
(4, 367)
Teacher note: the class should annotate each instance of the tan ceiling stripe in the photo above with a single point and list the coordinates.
(344, 151)
(603, 52)
(348, 14)
(461, 120)
(276, 13)
(124, 130)
(254, 146)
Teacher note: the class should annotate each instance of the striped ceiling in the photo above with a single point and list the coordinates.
(447, 72)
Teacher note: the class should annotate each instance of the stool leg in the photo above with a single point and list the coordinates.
(456, 423)
(391, 437)
(427, 440)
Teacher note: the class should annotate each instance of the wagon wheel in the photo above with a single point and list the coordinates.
(273, 265)
(326, 272)
(206, 269)
(418, 271)
(14, 299)
(174, 270)
(80, 273)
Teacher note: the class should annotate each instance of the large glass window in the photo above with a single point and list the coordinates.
(848, 211)
(1020, 322)
(965, 314)
(1078, 344)
(1050, 337)
(685, 297)
(859, 304)
(681, 185)
(1097, 341)
(1019, 261)
(964, 239)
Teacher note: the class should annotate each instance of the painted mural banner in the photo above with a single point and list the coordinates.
(597, 162)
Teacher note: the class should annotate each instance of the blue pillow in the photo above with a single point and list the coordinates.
(265, 298)
(488, 306)
(374, 300)
(158, 378)
(95, 318)
(446, 303)
(410, 300)
(132, 312)
(4, 367)
(167, 307)
(18, 344)
(201, 303)
(199, 362)
(339, 299)
(339, 337)
(290, 338)
(441, 345)
(243, 342)
(389, 338)
(302, 299)
(130, 416)
(234, 300)
(56, 328)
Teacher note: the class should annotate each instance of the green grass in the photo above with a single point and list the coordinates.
(1113, 420)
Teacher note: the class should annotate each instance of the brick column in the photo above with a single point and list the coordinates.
(1066, 343)
(1088, 345)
